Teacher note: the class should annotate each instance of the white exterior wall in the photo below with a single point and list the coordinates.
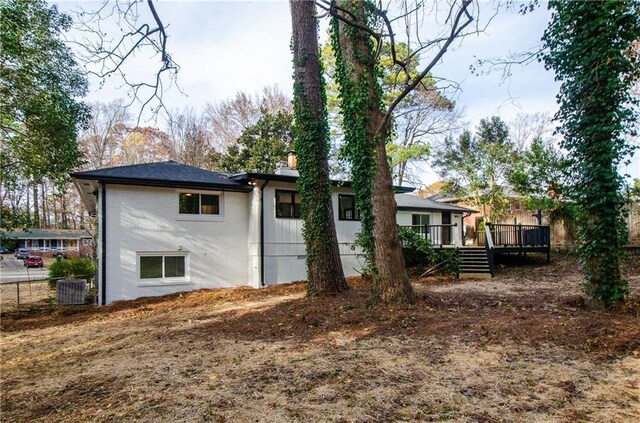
(221, 251)
(458, 231)
(284, 249)
(253, 252)
(146, 220)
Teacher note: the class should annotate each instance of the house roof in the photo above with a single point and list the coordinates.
(292, 179)
(35, 233)
(443, 198)
(164, 174)
(414, 203)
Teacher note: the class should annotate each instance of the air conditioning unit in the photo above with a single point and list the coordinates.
(71, 291)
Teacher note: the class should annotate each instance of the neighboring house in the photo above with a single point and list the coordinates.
(52, 241)
(167, 227)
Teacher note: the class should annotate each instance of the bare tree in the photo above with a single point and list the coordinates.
(419, 126)
(105, 56)
(526, 127)
(104, 133)
(190, 140)
(228, 118)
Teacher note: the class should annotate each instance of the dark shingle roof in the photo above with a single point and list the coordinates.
(166, 174)
(413, 202)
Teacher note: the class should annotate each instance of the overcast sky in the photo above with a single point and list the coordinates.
(225, 47)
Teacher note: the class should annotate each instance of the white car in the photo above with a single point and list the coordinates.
(22, 253)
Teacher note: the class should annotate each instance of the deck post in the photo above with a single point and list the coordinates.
(519, 229)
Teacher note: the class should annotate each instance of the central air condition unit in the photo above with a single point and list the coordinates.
(71, 291)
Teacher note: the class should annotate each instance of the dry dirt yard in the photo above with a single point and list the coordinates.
(519, 348)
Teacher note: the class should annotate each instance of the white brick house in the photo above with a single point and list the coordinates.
(167, 227)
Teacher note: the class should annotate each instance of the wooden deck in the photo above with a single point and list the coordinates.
(496, 239)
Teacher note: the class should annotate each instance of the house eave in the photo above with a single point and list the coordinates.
(432, 209)
(162, 183)
(249, 176)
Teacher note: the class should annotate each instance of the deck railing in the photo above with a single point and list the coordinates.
(520, 235)
(517, 238)
(490, 250)
(441, 235)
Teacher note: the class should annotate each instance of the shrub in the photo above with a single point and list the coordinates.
(81, 268)
(418, 252)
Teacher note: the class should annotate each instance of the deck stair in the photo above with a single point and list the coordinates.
(474, 263)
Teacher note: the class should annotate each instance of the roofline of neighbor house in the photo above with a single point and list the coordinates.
(292, 179)
(457, 209)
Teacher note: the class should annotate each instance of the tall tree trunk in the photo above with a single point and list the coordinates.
(391, 282)
(44, 221)
(56, 217)
(28, 207)
(324, 267)
(36, 205)
(392, 279)
(401, 170)
(64, 212)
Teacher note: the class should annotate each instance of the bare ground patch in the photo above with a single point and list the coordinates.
(520, 347)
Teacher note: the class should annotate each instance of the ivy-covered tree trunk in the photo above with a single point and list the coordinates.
(366, 134)
(590, 49)
(311, 134)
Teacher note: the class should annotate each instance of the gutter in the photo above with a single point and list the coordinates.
(292, 179)
(164, 184)
(262, 284)
(103, 207)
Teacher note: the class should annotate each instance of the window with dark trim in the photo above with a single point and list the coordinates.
(287, 204)
(192, 203)
(420, 223)
(420, 219)
(347, 209)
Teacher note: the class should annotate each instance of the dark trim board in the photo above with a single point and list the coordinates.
(103, 207)
(246, 177)
(168, 184)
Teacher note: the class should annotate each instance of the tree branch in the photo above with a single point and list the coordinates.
(105, 57)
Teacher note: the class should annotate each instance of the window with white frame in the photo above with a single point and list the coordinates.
(199, 204)
(162, 266)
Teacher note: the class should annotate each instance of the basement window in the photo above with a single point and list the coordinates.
(163, 268)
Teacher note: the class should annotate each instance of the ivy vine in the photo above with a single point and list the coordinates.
(311, 143)
(355, 93)
(590, 47)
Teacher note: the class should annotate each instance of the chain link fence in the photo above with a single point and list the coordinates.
(30, 295)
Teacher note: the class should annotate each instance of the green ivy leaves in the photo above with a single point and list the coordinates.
(589, 46)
